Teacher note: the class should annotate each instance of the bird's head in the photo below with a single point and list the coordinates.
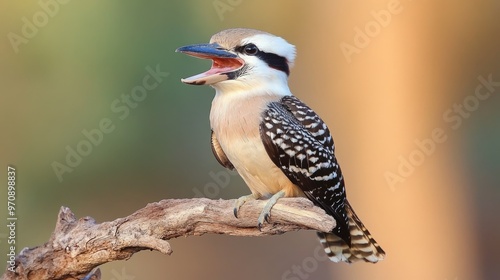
(243, 59)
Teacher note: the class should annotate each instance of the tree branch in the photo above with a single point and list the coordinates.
(78, 246)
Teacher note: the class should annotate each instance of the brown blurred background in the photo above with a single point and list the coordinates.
(387, 76)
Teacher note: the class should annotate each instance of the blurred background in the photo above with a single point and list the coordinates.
(409, 89)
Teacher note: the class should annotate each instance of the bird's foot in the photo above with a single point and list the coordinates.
(240, 201)
(266, 212)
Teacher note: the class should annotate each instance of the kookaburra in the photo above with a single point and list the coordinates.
(278, 145)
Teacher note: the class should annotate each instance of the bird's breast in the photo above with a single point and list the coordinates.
(235, 121)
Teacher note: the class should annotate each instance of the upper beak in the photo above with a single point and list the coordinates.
(223, 63)
(206, 50)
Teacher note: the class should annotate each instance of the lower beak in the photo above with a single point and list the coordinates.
(224, 62)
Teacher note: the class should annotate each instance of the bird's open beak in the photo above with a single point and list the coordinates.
(224, 62)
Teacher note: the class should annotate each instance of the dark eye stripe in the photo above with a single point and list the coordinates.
(275, 61)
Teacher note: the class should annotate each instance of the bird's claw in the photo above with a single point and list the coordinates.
(265, 215)
(240, 201)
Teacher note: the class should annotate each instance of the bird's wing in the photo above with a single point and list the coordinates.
(219, 153)
(300, 144)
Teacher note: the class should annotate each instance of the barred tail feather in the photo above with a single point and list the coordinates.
(363, 246)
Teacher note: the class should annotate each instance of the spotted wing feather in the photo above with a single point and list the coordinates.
(300, 144)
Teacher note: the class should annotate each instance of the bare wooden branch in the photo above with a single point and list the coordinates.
(78, 246)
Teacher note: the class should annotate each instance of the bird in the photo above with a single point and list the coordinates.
(276, 143)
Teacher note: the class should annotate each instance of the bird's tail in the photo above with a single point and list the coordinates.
(363, 246)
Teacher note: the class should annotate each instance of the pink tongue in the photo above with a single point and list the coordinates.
(213, 71)
(219, 66)
(216, 69)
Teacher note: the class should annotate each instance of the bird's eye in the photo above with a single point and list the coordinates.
(250, 49)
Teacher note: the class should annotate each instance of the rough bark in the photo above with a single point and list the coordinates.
(77, 246)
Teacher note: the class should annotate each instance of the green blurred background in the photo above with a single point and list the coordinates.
(440, 221)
